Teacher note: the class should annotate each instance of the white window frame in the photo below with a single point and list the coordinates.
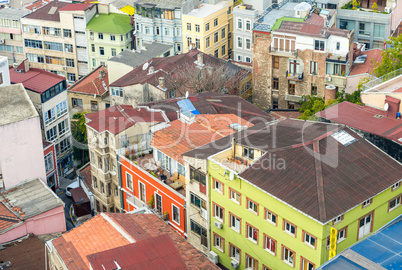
(218, 187)
(250, 233)
(177, 222)
(218, 246)
(366, 203)
(127, 181)
(248, 25)
(291, 259)
(397, 203)
(139, 192)
(217, 212)
(289, 230)
(237, 221)
(49, 164)
(268, 217)
(307, 239)
(238, 253)
(239, 20)
(233, 198)
(241, 42)
(250, 206)
(268, 244)
(337, 219)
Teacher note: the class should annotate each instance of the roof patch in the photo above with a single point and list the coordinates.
(343, 137)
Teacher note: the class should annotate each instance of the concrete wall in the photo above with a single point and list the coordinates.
(240, 54)
(21, 152)
(377, 100)
(86, 102)
(51, 221)
(4, 72)
(117, 70)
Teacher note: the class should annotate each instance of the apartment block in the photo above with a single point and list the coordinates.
(207, 28)
(275, 199)
(302, 59)
(161, 21)
(11, 43)
(54, 38)
(48, 93)
(108, 34)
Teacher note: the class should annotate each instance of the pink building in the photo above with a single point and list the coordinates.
(30, 207)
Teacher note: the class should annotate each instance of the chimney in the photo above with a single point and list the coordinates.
(134, 103)
(161, 82)
(330, 92)
(151, 69)
(26, 65)
(200, 59)
(101, 73)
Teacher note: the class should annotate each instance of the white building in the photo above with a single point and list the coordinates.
(4, 73)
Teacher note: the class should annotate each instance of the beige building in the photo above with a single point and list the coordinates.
(90, 93)
(55, 40)
(108, 131)
(11, 44)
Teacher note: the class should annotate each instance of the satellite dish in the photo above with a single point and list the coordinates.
(386, 107)
(135, 32)
(186, 94)
(145, 66)
(231, 176)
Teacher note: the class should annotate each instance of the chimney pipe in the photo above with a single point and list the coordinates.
(330, 92)
(162, 82)
(151, 69)
(200, 59)
(134, 103)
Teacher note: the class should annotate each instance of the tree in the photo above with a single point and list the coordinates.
(391, 57)
(79, 132)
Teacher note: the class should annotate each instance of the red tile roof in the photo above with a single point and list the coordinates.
(105, 232)
(49, 12)
(75, 7)
(164, 255)
(86, 176)
(398, 90)
(117, 118)
(316, 19)
(181, 137)
(373, 56)
(362, 118)
(7, 218)
(36, 79)
(92, 83)
(37, 4)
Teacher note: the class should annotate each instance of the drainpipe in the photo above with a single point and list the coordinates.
(120, 182)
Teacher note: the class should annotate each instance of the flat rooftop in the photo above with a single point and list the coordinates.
(286, 11)
(13, 13)
(205, 10)
(388, 83)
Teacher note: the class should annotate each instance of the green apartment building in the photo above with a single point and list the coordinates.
(108, 34)
(278, 189)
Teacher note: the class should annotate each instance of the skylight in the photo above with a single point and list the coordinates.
(343, 137)
(52, 10)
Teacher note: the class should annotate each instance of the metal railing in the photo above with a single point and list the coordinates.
(295, 76)
(371, 84)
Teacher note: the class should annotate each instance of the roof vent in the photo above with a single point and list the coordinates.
(360, 59)
(343, 137)
(379, 116)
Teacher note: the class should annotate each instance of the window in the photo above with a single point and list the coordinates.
(167, 31)
(288, 256)
(275, 83)
(93, 48)
(207, 42)
(216, 37)
(379, 30)
(33, 29)
(197, 201)
(364, 29)
(223, 50)
(61, 108)
(318, 45)
(35, 58)
(248, 44)
(19, 49)
(291, 88)
(216, 22)
(189, 41)
(147, 30)
(113, 52)
(239, 58)
(270, 217)
(101, 50)
(95, 182)
(218, 212)
(276, 62)
(396, 185)
(229, 10)
(275, 103)
(289, 228)
(129, 179)
(239, 42)
(306, 265)
(235, 222)
(36, 44)
(197, 28)
(248, 25)
(223, 33)
(50, 116)
(100, 35)
(207, 27)
(309, 239)
(337, 219)
(198, 176)
(176, 214)
(313, 67)
(94, 105)
(216, 53)
(68, 48)
(188, 26)
(69, 62)
(251, 263)
(252, 233)
(313, 89)
(112, 37)
(51, 134)
(252, 206)
(53, 46)
(342, 233)
(142, 194)
(218, 186)
(63, 127)
(394, 203)
(366, 203)
(235, 196)
(219, 242)
(248, 153)
(201, 231)
(51, 31)
(64, 145)
(239, 24)
(67, 33)
(270, 244)
(234, 252)
(102, 187)
(248, 59)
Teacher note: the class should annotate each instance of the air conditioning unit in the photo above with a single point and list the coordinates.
(387, 9)
(2, 41)
(234, 264)
(218, 224)
(213, 257)
(64, 68)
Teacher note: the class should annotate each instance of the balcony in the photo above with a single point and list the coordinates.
(295, 76)
(282, 52)
(293, 98)
(337, 58)
(335, 80)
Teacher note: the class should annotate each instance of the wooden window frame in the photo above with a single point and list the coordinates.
(289, 233)
(308, 244)
(275, 83)
(282, 255)
(223, 186)
(371, 226)
(400, 203)
(265, 244)
(291, 88)
(231, 245)
(252, 211)
(230, 198)
(265, 217)
(230, 222)
(275, 62)
(258, 233)
(301, 262)
(222, 241)
(223, 212)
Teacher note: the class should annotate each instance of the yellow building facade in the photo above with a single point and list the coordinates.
(208, 28)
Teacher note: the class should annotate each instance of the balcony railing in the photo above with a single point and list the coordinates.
(282, 51)
(295, 76)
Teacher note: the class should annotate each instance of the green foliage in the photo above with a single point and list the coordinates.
(81, 155)
(78, 128)
(151, 201)
(374, 6)
(391, 57)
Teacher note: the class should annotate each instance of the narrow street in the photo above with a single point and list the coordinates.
(61, 192)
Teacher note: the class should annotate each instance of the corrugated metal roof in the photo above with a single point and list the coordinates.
(13, 13)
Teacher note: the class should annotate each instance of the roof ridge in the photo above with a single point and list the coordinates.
(319, 180)
(118, 227)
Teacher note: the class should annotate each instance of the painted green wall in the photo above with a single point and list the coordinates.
(284, 211)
